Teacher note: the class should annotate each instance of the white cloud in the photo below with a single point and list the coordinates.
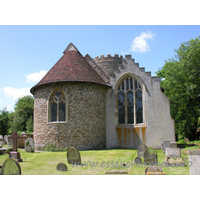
(16, 93)
(139, 44)
(35, 77)
(1, 101)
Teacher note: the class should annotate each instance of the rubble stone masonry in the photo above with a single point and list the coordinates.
(85, 127)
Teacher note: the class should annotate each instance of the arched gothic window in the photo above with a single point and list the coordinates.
(57, 107)
(130, 107)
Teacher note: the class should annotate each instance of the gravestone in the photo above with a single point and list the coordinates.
(194, 159)
(10, 140)
(1, 136)
(6, 138)
(73, 156)
(150, 156)
(140, 150)
(11, 167)
(166, 144)
(29, 145)
(14, 154)
(3, 141)
(1, 144)
(173, 145)
(153, 169)
(61, 167)
(186, 140)
(138, 160)
(173, 152)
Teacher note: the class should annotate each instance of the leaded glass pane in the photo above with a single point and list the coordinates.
(127, 84)
(53, 112)
(122, 85)
(136, 85)
(139, 109)
(58, 93)
(131, 83)
(62, 111)
(130, 104)
(121, 108)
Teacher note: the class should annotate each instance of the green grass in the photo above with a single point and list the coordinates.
(45, 163)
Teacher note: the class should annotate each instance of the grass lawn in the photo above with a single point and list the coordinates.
(96, 162)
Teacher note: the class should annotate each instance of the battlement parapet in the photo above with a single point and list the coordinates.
(108, 57)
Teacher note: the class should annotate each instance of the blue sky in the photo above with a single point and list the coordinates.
(28, 52)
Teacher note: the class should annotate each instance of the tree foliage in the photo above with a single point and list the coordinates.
(24, 113)
(181, 84)
(4, 122)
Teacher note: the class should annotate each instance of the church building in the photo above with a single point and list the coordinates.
(105, 102)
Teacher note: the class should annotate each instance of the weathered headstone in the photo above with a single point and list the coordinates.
(150, 156)
(140, 150)
(173, 152)
(1, 144)
(6, 138)
(173, 145)
(166, 144)
(29, 142)
(194, 159)
(153, 169)
(73, 156)
(61, 167)
(138, 160)
(186, 140)
(11, 167)
(3, 141)
(10, 140)
(14, 154)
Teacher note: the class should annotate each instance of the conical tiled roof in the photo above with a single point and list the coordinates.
(72, 67)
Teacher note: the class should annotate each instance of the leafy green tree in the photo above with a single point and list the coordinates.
(4, 122)
(181, 84)
(23, 112)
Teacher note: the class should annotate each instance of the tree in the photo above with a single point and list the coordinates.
(4, 122)
(181, 84)
(23, 113)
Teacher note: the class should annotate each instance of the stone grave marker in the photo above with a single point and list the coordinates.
(1, 136)
(138, 160)
(11, 167)
(140, 150)
(150, 156)
(153, 169)
(29, 145)
(6, 138)
(1, 144)
(14, 154)
(186, 140)
(173, 152)
(173, 145)
(166, 144)
(61, 167)
(73, 156)
(3, 141)
(10, 140)
(194, 159)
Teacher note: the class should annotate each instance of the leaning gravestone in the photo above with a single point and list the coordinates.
(140, 150)
(11, 167)
(61, 167)
(150, 156)
(194, 159)
(166, 144)
(29, 145)
(173, 152)
(73, 156)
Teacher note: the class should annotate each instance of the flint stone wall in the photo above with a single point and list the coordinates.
(86, 112)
